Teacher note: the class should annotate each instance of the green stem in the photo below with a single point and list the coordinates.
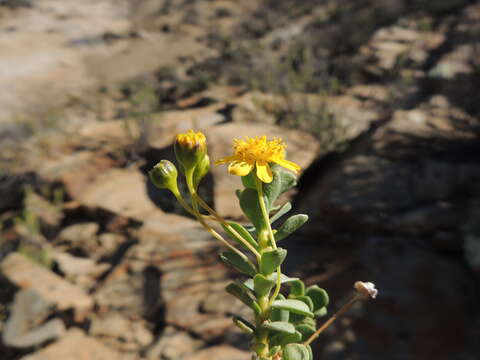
(266, 218)
(222, 221)
(189, 177)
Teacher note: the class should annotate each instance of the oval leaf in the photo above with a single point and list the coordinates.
(319, 297)
(242, 232)
(280, 326)
(290, 225)
(271, 260)
(283, 210)
(283, 339)
(294, 306)
(251, 208)
(262, 285)
(297, 288)
(244, 295)
(295, 352)
(237, 262)
(243, 324)
(306, 330)
(284, 279)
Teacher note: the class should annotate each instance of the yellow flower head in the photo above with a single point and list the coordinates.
(257, 152)
(190, 148)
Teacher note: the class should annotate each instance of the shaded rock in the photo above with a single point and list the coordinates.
(112, 325)
(75, 345)
(121, 191)
(398, 47)
(79, 233)
(26, 274)
(24, 327)
(73, 266)
(46, 212)
(220, 352)
(174, 345)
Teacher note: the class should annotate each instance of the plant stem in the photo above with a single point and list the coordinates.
(222, 221)
(189, 177)
(334, 317)
(266, 218)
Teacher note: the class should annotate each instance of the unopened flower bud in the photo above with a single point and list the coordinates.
(164, 175)
(366, 289)
(190, 148)
(201, 170)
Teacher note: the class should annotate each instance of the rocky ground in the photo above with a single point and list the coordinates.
(377, 100)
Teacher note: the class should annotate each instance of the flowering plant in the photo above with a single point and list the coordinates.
(284, 325)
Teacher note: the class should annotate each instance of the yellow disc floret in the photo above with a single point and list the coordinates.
(257, 153)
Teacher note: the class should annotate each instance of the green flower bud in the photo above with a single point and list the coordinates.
(190, 148)
(201, 170)
(164, 175)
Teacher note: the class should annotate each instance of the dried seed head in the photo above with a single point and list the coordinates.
(366, 289)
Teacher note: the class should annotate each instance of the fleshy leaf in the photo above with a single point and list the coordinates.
(294, 306)
(243, 294)
(306, 300)
(262, 285)
(284, 279)
(306, 330)
(321, 312)
(290, 225)
(296, 352)
(283, 210)
(297, 288)
(319, 297)
(237, 262)
(241, 231)
(251, 208)
(283, 339)
(280, 326)
(271, 260)
(243, 324)
(249, 180)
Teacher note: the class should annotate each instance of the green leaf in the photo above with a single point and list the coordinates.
(295, 352)
(284, 279)
(279, 315)
(249, 180)
(237, 262)
(310, 352)
(283, 339)
(319, 297)
(282, 181)
(251, 208)
(271, 260)
(290, 225)
(306, 330)
(242, 232)
(297, 288)
(238, 193)
(280, 326)
(306, 300)
(244, 295)
(243, 324)
(321, 312)
(283, 210)
(294, 306)
(262, 285)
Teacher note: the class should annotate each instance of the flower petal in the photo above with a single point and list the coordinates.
(264, 172)
(240, 168)
(290, 165)
(227, 159)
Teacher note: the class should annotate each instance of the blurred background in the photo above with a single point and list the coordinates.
(378, 101)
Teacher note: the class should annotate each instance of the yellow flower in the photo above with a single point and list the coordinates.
(190, 148)
(257, 152)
